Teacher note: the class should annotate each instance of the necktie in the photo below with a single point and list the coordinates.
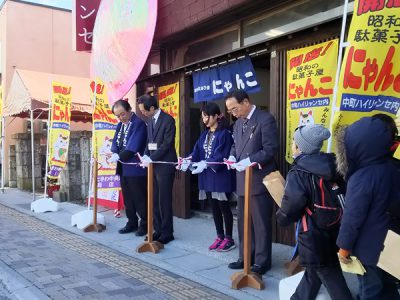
(122, 137)
(244, 126)
(153, 126)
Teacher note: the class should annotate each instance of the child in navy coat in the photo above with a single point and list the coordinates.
(215, 180)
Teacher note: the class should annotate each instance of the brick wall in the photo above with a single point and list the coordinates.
(177, 15)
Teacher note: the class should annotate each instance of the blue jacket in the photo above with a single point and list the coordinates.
(372, 186)
(216, 178)
(135, 143)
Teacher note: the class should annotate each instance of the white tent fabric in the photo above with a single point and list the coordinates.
(30, 90)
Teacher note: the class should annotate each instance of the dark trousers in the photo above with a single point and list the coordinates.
(134, 190)
(163, 215)
(331, 277)
(261, 212)
(221, 212)
(377, 284)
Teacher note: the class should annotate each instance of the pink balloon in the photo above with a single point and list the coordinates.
(122, 38)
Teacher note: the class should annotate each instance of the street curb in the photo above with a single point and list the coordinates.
(18, 286)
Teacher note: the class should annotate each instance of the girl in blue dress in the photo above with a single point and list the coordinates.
(215, 181)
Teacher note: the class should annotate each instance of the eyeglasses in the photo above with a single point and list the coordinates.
(233, 110)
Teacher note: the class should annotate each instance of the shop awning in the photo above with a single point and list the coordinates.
(30, 90)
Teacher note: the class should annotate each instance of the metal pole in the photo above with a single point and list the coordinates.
(92, 150)
(47, 148)
(2, 151)
(33, 156)
(339, 65)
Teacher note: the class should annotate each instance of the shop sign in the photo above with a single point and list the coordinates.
(105, 123)
(310, 84)
(369, 80)
(215, 83)
(168, 97)
(84, 16)
(59, 131)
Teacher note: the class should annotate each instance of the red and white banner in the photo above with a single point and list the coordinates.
(83, 17)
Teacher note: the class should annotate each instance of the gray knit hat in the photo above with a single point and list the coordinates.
(309, 138)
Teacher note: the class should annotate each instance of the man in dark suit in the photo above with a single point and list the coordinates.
(255, 141)
(130, 140)
(160, 147)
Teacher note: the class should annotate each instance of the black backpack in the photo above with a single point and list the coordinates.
(327, 204)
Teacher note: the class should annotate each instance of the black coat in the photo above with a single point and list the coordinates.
(164, 136)
(316, 247)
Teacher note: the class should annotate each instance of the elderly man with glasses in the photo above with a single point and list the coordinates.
(255, 141)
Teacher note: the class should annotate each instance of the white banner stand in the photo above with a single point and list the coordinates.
(3, 120)
(44, 204)
(84, 218)
(342, 45)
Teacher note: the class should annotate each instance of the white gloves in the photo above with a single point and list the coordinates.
(145, 161)
(185, 163)
(199, 167)
(114, 158)
(242, 165)
(230, 162)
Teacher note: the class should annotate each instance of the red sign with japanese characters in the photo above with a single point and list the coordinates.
(84, 16)
(370, 75)
(310, 81)
(168, 97)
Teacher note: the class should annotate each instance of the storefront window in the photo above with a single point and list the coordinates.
(302, 15)
(210, 47)
(219, 43)
(152, 65)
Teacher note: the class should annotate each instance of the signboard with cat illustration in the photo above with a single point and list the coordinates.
(310, 82)
(59, 128)
(104, 124)
(369, 81)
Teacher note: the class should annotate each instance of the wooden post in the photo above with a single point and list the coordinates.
(247, 278)
(94, 227)
(150, 245)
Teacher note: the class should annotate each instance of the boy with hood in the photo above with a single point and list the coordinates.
(372, 186)
(317, 247)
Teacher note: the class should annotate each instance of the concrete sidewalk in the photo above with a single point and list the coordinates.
(186, 256)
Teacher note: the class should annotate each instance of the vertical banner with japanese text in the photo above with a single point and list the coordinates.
(369, 80)
(310, 82)
(59, 129)
(84, 14)
(104, 124)
(168, 98)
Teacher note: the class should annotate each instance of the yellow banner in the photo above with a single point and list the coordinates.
(168, 97)
(397, 153)
(59, 128)
(370, 74)
(104, 122)
(310, 82)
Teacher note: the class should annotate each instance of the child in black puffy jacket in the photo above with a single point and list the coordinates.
(317, 247)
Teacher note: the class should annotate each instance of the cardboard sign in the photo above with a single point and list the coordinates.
(275, 184)
(389, 260)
